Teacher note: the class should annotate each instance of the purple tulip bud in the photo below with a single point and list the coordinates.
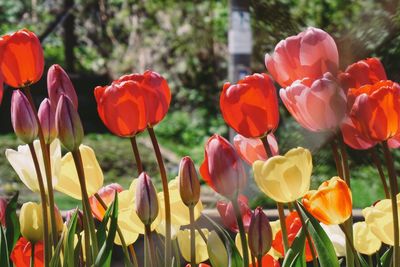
(23, 118)
(3, 206)
(58, 83)
(79, 224)
(47, 121)
(189, 186)
(146, 199)
(68, 124)
(260, 233)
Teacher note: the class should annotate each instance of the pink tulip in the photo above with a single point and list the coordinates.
(310, 54)
(3, 206)
(252, 149)
(227, 213)
(47, 121)
(107, 194)
(318, 105)
(59, 83)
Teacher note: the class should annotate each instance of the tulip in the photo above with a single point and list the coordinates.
(222, 168)
(23, 118)
(107, 194)
(260, 233)
(189, 185)
(317, 105)
(68, 181)
(21, 254)
(58, 84)
(216, 250)
(146, 199)
(47, 121)
(250, 149)
(21, 58)
(337, 237)
(3, 207)
(250, 107)
(285, 178)
(59, 220)
(22, 163)
(353, 137)
(31, 222)
(145, 95)
(311, 53)
(200, 265)
(183, 238)
(365, 241)
(331, 203)
(267, 261)
(227, 213)
(68, 216)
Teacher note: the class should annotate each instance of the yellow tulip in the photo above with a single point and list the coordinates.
(285, 178)
(68, 182)
(276, 227)
(31, 221)
(183, 237)
(365, 241)
(216, 250)
(238, 243)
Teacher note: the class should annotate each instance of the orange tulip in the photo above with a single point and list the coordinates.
(250, 107)
(331, 203)
(107, 194)
(21, 253)
(21, 58)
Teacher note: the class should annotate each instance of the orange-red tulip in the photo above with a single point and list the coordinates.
(252, 149)
(222, 169)
(21, 253)
(250, 107)
(376, 110)
(267, 261)
(331, 203)
(107, 194)
(133, 102)
(353, 137)
(21, 58)
(227, 213)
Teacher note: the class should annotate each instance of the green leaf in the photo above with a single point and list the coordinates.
(295, 257)
(12, 222)
(325, 250)
(4, 259)
(69, 246)
(386, 258)
(55, 260)
(104, 256)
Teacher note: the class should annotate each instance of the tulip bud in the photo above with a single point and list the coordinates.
(189, 186)
(59, 220)
(3, 206)
(23, 118)
(47, 121)
(58, 84)
(146, 199)
(70, 214)
(260, 233)
(31, 221)
(216, 250)
(68, 124)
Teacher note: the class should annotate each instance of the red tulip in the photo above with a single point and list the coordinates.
(21, 253)
(376, 110)
(267, 261)
(310, 54)
(293, 226)
(317, 105)
(21, 58)
(250, 107)
(3, 206)
(107, 194)
(59, 83)
(353, 137)
(222, 168)
(252, 149)
(227, 213)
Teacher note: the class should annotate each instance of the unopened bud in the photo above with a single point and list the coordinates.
(260, 233)
(23, 118)
(216, 250)
(47, 121)
(146, 199)
(79, 223)
(58, 84)
(31, 221)
(189, 185)
(68, 124)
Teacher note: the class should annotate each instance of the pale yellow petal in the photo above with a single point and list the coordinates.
(365, 241)
(201, 246)
(238, 243)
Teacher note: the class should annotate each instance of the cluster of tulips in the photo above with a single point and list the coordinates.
(358, 107)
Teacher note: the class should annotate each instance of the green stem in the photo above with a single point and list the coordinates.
(192, 237)
(86, 232)
(150, 243)
(393, 197)
(47, 245)
(164, 181)
(85, 200)
(259, 261)
(282, 222)
(133, 254)
(377, 163)
(349, 241)
(203, 236)
(32, 255)
(136, 153)
(242, 232)
(336, 156)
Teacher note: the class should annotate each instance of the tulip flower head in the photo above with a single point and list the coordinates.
(21, 254)
(23, 118)
(311, 53)
(31, 222)
(285, 178)
(21, 58)
(222, 168)
(365, 241)
(58, 84)
(227, 213)
(337, 238)
(252, 149)
(250, 107)
(107, 194)
(331, 203)
(183, 238)
(189, 185)
(47, 121)
(260, 233)
(146, 199)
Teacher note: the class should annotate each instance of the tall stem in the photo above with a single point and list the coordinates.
(264, 140)
(259, 261)
(85, 199)
(336, 156)
(192, 237)
(349, 241)
(43, 199)
(86, 232)
(136, 153)
(32, 263)
(150, 243)
(377, 163)
(242, 232)
(282, 222)
(164, 181)
(393, 197)
(47, 167)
